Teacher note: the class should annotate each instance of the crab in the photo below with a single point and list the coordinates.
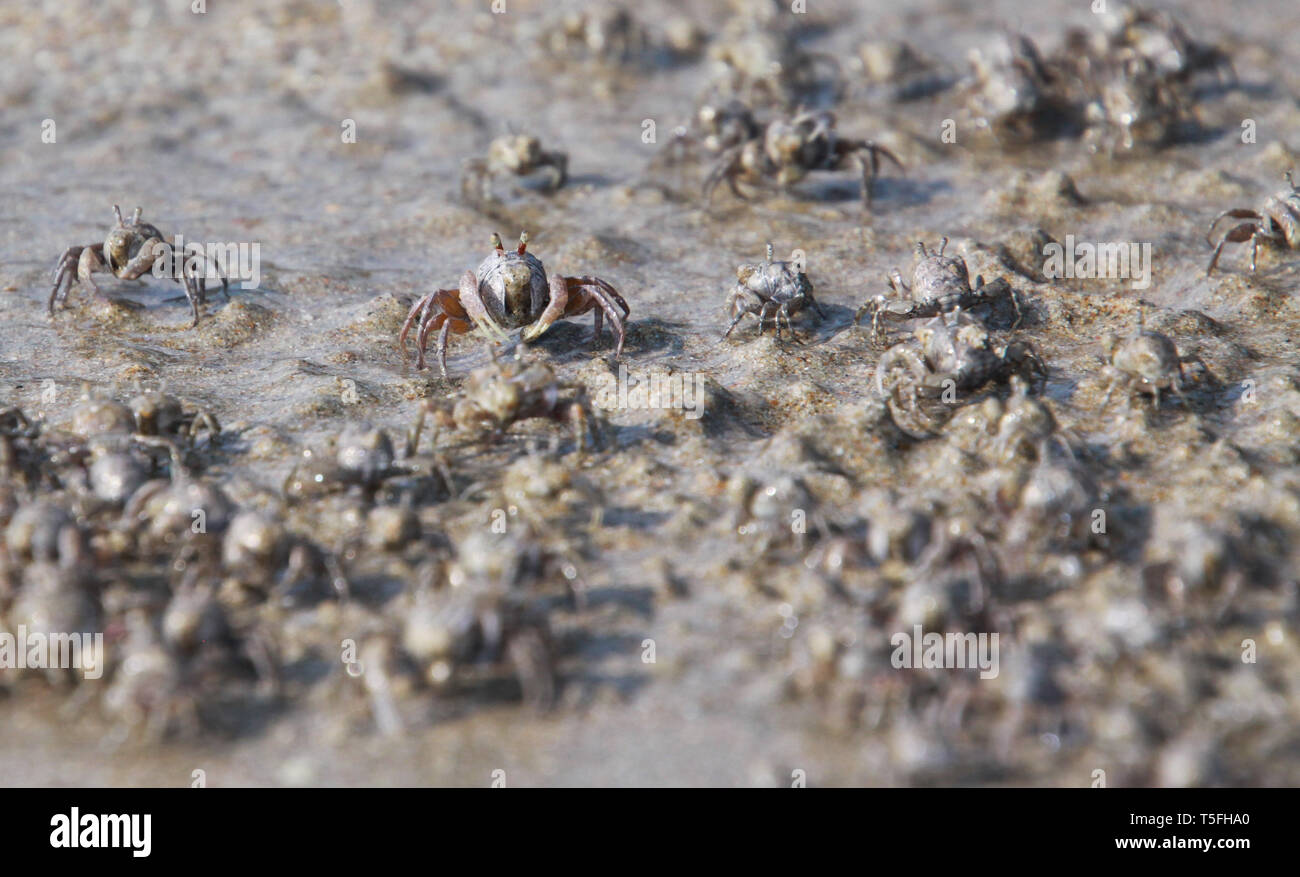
(1276, 222)
(939, 284)
(128, 252)
(516, 155)
(1136, 105)
(1144, 361)
(506, 392)
(761, 64)
(512, 288)
(951, 353)
(612, 35)
(788, 149)
(1012, 92)
(483, 616)
(1157, 36)
(771, 288)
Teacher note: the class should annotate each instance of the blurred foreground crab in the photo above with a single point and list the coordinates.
(951, 353)
(511, 288)
(129, 251)
(507, 392)
(939, 284)
(514, 155)
(1276, 222)
(775, 289)
(788, 149)
(1136, 106)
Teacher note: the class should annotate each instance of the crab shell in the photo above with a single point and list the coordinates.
(125, 241)
(935, 277)
(513, 287)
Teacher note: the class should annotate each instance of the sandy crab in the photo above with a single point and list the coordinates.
(1276, 222)
(507, 392)
(1158, 37)
(1136, 105)
(776, 289)
(482, 617)
(939, 284)
(514, 155)
(128, 252)
(788, 149)
(766, 65)
(951, 353)
(1144, 361)
(1012, 92)
(512, 288)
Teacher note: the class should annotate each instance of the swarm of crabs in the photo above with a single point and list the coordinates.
(222, 598)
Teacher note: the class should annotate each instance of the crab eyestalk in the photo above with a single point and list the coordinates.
(135, 216)
(117, 212)
(495, 241)
(769, 251)
(523, 242)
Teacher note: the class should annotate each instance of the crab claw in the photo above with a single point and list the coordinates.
(535, 331)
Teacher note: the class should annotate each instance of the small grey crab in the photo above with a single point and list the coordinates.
(1012, 93)
(772, 288)
(939, 284)
(1276, 222)
(1144, 361)
(1136, 106)
(129, 251)
(512, 288)
(951, 353)
(503, 393)
(788, 149)
(514, 155)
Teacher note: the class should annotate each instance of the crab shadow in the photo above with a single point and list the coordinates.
(571, 339)
(889, 191)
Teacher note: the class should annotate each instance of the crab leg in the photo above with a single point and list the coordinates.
(68, 266)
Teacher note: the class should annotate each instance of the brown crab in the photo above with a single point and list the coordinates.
(511, 288)
(128, 252)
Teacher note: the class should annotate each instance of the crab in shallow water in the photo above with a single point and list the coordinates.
(511, 288)
(128, 252)
(939, 284)
(788, 149)
(775, 289)
(1276, 222)
(518, 156)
